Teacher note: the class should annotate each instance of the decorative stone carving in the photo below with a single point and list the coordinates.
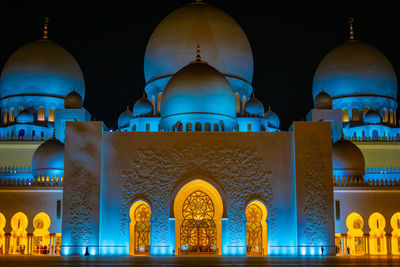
(316, 207)
(153, 176)
(81, 210)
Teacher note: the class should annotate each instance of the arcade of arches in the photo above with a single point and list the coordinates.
(198, 209)
(373, 242)
(19, 241)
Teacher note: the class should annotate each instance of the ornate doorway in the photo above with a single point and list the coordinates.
(198, 232)
(254, 230)
(140, 229)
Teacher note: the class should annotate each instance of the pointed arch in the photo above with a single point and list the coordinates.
(198, 193)
(18, 240)
(41, 234)
(355, 234)
(256, 228)
(395, 223)
(377, 235)
(140, 228)
(2, 237)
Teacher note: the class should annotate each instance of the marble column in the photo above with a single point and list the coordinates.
(30, 244)
(7, 243)
(388, 244)
(366, 236)
(345, 244)
(51, 248)
(342, 248)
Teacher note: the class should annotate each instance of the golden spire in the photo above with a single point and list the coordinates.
(351, 36)
(198, 57)
(46, 19)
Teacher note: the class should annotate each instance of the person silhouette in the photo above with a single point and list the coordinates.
(322, 250)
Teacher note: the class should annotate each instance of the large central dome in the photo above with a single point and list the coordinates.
(224, 46)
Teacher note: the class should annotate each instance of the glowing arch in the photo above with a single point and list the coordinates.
(139, 228)
(18, 240)
(355, 235)
(41, 234)
(182, 195)
(377, 238)
(256, 215)
(395, 223)
(2, 237)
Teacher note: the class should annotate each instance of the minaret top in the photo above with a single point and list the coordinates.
(351, 33)
(45, 32)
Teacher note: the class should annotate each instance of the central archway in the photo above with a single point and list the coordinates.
(198, 209)
(355, 235)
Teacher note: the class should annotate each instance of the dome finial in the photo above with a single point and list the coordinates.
(198, 57)
(45, 32)
(351, 36)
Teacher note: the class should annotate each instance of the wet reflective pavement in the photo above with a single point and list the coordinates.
(44, 261)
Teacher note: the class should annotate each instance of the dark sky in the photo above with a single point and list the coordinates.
(109, 41)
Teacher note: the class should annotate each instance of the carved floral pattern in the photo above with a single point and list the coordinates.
(81, 210)
(316, 207)
(153, 176)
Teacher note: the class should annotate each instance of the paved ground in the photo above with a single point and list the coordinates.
(47, 261)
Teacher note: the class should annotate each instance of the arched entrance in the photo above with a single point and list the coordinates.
(41, 234)
(2, 237)
(355, 235)
(377, 235)
(256, 229)
(198, 209)
(139, 242)
(18, 240)
(395, 223)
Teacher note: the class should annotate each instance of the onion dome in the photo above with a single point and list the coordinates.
(48, 158)
(142, 107)
(372, 117)
(254, 107)
(323, 101)
(224, 47)
(124, 118)
(25, 117)
(73, 101)
(198, 93)
(272, 118)
(347, 159)
(40, 72)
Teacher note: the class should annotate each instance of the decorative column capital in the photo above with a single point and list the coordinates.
(52, 235)
(388, 235)
(7, 234)
(29, 234)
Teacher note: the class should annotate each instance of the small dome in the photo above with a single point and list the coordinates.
(124, 118)
(272, 118)
(254, 107)
(25, 117)
(48, 158)
(323, 101)
(347, 159)
(142, 107)
(73, 101)
(372, 117)
(199, 92)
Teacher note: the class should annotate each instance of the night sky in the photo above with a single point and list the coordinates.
(109, 41)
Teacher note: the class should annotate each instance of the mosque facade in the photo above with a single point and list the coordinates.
(199, 166)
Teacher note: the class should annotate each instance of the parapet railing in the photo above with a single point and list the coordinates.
(29, 182)
(25, 138)
(342, 181)
(373, 139)
(14, 169)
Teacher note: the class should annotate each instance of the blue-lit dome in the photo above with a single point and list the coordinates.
(272, 118)
(254, 107)
(41, 69)
(124, 118)
(25, 117)
(142, 107)
(357, 74)
(347, 159)
(48, 158)
(323, 101)
(198, 93)
(372, 117)
(224, 47)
